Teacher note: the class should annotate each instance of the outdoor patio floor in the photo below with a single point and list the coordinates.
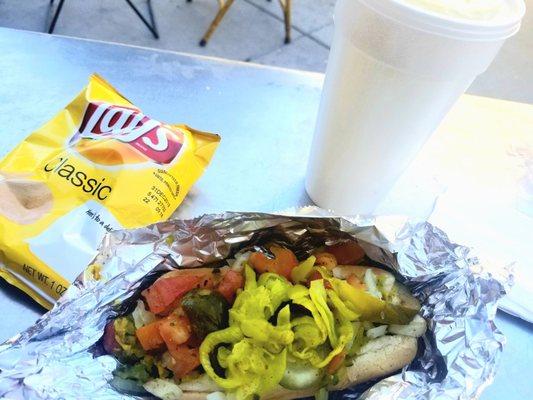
(252, 31)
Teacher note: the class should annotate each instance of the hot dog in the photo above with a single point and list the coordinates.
(267, 326)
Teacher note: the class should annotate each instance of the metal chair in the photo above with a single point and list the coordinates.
(150, 25)
(224, 6)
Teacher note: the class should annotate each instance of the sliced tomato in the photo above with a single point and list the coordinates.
(314, 276)
(325, 259)
(282, 264)
(230, 283)
(356, 282)
(347, 253)
(335, 363)
(174, 330)
(186, 359)
(164, 292)
(208, 277)
(149, 336)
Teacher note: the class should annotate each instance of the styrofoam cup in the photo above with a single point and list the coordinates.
(394, 71)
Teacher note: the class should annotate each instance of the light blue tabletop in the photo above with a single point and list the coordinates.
(264, 115)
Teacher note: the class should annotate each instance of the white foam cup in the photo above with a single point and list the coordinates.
(394, 71)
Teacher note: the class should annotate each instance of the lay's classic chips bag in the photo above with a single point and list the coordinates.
(97, 166)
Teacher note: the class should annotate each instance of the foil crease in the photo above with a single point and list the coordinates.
(60, 356)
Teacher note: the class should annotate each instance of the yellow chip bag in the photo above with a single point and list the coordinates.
(97, 166)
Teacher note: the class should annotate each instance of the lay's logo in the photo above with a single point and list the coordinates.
(111, 135)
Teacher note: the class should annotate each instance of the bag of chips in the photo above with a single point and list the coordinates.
(97, 166)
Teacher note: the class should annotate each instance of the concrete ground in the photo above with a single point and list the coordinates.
(252, 31)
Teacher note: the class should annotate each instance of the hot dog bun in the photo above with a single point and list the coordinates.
(344, 271)
(379, 357)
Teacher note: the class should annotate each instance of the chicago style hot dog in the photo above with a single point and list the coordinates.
(267, 326)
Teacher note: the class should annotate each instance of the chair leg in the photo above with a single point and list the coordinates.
(286, 7)
(221, 12)
(150, 25)
(56, 15)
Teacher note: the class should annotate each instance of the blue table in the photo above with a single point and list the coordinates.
(264, 115)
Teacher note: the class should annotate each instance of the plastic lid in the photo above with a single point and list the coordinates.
(446, 25)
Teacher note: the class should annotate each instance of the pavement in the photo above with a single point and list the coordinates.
(251, 31)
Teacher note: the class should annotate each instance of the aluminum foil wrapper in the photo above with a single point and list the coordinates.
(60, 357)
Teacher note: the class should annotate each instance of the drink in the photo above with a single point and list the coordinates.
(480, 10)
(395, 69)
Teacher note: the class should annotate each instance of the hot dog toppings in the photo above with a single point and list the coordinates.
(262, 323)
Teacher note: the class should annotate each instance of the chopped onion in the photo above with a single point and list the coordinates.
(141, 316)
(376, 332)
(167, 360)
(386, 281)
(416, 328)
(339, 273)
(216, 396)
(165, 389)
(371, 285)
(199, 384)
(240, 259)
